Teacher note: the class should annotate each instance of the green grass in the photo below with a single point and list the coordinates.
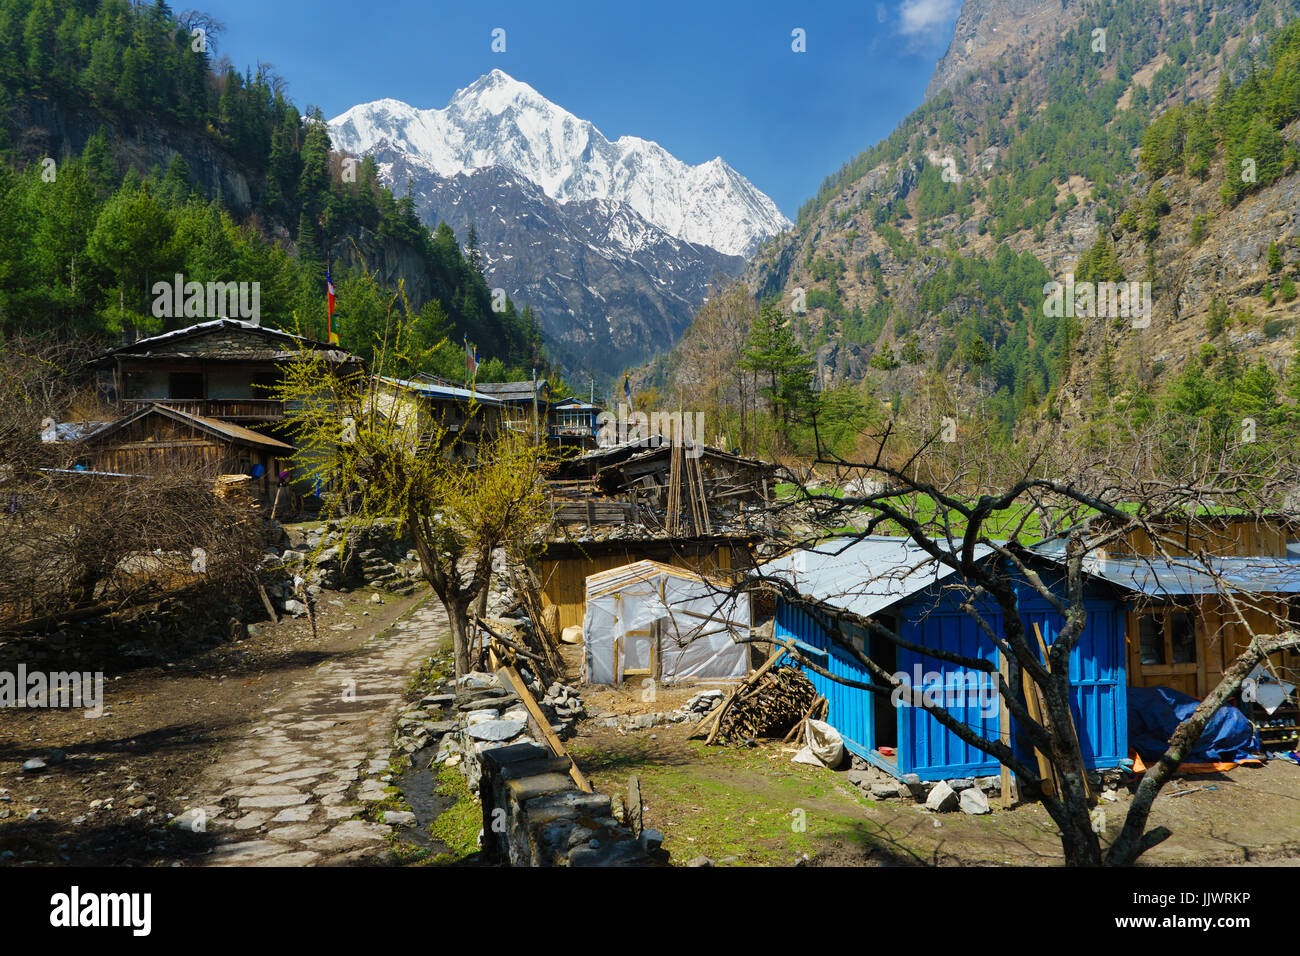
(738, 806)
(459, 824)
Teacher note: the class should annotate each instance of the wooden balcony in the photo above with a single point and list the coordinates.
(229, 409)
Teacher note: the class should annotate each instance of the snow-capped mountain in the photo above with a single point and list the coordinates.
(610, 288)
(499, 121)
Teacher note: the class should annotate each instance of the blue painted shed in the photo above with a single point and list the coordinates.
(893, 582)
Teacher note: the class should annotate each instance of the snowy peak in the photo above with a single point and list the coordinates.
(500, 121)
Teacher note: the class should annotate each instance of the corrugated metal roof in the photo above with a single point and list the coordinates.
(1160, 577)
(863, 576)
(439, 391)
(517, 391)
(74, 431)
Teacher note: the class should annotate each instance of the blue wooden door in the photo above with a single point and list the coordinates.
(925, 747)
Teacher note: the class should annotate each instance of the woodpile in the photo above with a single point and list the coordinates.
(769, 703)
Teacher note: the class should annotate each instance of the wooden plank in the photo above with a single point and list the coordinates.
(544, 726)
(1004, 732)
(1035, 714)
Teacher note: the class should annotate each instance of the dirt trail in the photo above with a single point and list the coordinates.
(288, 795)
(264, 717)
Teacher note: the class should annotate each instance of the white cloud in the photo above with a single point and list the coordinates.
(919, 18)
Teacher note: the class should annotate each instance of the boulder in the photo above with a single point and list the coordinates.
(974, 802)
(942, 798)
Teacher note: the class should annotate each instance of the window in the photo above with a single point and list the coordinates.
(1151, 635)
(1167, 636)
(185, 385)
(1182, 637)
(263, 383)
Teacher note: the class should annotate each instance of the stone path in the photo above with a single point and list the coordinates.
(285, 795)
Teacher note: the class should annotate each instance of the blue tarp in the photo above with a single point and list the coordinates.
(1154, 713)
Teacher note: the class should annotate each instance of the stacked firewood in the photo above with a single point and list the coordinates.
(768, 705)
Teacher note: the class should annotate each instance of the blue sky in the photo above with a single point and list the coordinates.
(701, 78)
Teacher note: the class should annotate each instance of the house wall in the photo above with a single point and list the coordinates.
(933, 619)
(1220, 639)
(1258, 537)
(154, 444)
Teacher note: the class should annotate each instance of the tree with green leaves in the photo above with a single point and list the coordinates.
(774, 357)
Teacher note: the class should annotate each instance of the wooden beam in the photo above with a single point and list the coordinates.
(544, 726)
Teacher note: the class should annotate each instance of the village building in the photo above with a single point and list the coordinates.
(894, 583)
(223, 369)
(677, 488)
(525, 405)
(433, 412)
(563, 564)
(157, 437)
(217, 377)
(573, 425)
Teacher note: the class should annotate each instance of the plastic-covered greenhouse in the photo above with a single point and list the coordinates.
(654, 620)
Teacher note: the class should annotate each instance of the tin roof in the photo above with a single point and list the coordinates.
(438, 390)
(1161, 577)
(862, 576)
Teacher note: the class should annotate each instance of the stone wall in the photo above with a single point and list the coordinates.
(533, 812)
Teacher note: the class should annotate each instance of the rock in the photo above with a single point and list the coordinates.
(55, 756)
(700, 861)
(974, 802)
(885, 791)
(295, 607)
(860, 778)
(35, 765)
(915, 786)
(376, 599)
(651, 839)
(964, 783)
(255, 630)
(496, 729)
(398, 818)
(942, 798)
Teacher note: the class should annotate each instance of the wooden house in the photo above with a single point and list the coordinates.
(525, 406)
(573, 424)
(725, 487)
(159, 437)
(223, 369)
(1181, 630)
(434, 411)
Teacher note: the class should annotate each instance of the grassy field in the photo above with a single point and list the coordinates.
(741, 806)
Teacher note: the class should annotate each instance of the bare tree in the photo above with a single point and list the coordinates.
(73, 539)
(938, 495)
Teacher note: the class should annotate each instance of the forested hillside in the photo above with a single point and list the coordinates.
(1125, 142)
(132, 154)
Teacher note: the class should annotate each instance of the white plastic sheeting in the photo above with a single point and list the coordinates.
(663, 622)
